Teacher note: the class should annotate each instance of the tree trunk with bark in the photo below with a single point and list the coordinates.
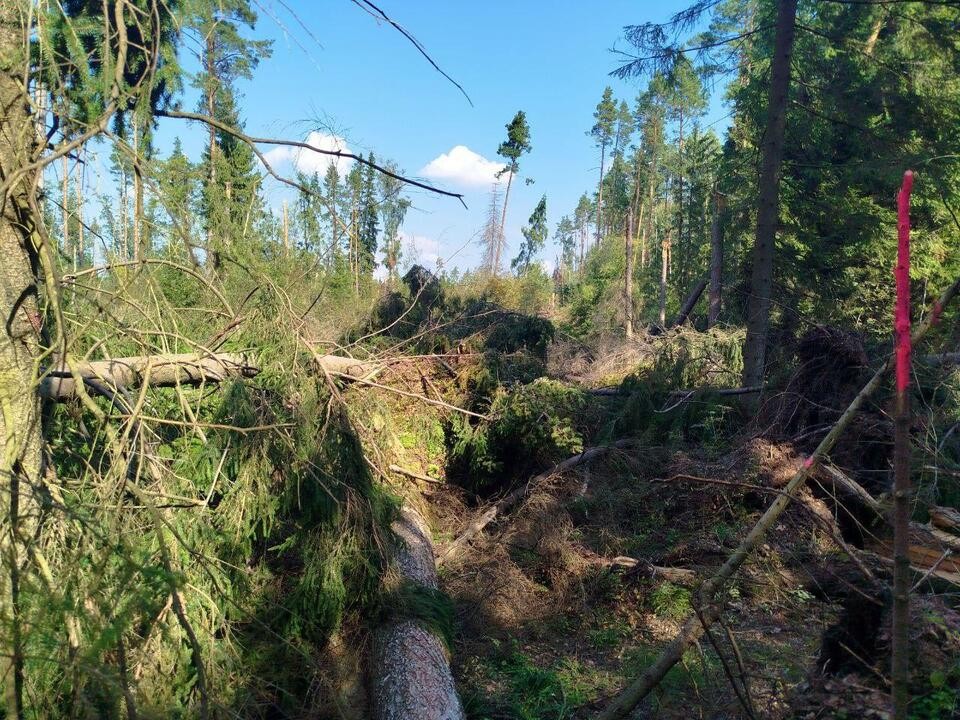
(20, 344)
(690, 303)
(716, 262)
(154, 370)
(410, 669)
(761, 284)
(603, 153)
(628, 277)
(503, 227)
(664, 273)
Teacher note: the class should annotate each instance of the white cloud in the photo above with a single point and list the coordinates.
(306, 160)
(462, 166)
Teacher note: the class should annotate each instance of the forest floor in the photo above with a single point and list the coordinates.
(572, 593)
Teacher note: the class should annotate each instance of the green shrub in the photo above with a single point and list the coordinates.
(533, 426)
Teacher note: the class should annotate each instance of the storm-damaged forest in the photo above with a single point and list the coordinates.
(565, 361)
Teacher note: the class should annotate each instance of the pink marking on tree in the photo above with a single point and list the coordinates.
(901, 318)
(808, 463)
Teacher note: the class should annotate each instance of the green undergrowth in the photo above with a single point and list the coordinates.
(206, 551)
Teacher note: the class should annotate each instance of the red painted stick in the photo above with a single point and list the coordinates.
(900, 628)
(901, 323)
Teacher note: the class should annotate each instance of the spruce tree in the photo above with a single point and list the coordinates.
(534, 238)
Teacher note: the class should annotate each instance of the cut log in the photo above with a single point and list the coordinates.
(508, 501)
(156, 370)
(410, 670)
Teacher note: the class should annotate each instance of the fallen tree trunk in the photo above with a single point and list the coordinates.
(410, 671)
(940, 360)
(851, 488)
(508, 501)
(945, 518)
(723, 392)
(690, 303)
(710, 593)
(59, 383)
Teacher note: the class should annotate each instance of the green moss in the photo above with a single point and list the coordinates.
(433, 609)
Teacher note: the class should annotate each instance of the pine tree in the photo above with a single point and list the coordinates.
(605, 117)
(512, 149)
(333, 198)
(581, 219)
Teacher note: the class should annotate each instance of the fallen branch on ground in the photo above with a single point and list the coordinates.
(511, 499)
(641, 568)
(417, 476)
(406, 393)
(690, 393)
(710, 594)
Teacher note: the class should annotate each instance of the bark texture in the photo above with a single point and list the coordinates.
(716, 262)
(690, 303)
(628, 278)
(20, 466)
(153, 370)
(410, 671)
(761, 282)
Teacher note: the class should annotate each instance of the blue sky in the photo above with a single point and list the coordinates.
(335, 69)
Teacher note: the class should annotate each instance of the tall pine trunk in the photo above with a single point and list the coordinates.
(664, 273)
(139, 245)
(761, 284)
(716, 262)
(503, 227)
(603, 154)
(20, 438)
(628, 277)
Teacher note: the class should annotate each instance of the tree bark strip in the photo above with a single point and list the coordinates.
(628, 277)
(716, 261)
(20, 437)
